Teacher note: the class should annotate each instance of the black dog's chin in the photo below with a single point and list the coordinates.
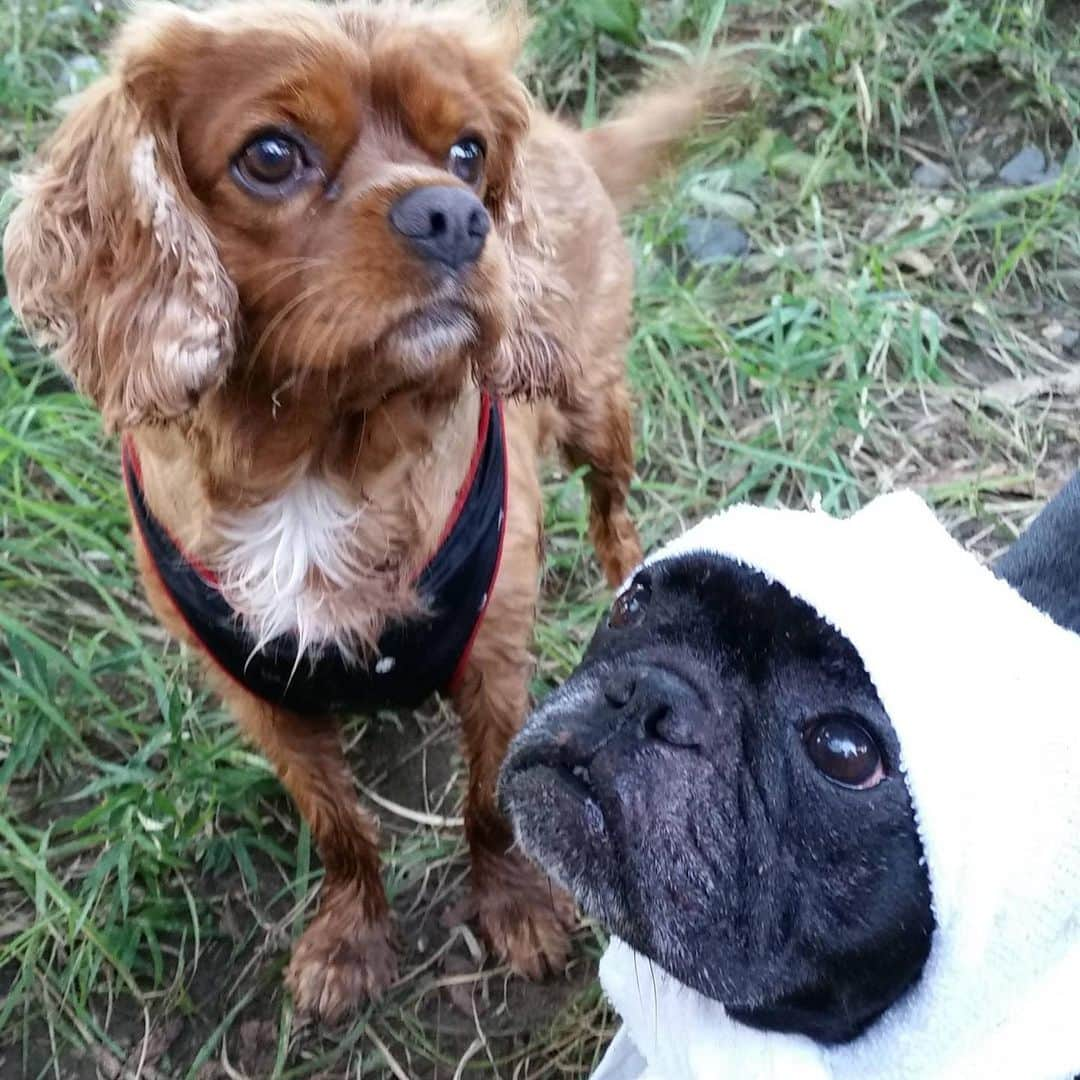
(569, 808)
(816, 1016)
(560, 825)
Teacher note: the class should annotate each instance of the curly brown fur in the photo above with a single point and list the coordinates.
(303, 407)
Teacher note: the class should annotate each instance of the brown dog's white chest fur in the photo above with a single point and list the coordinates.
(287, 564)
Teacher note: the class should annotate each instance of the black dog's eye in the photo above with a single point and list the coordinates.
(467, 160)
(271, 165)
(845, 752)
(629, 608)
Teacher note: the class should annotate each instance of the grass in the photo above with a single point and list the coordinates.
(876, 335)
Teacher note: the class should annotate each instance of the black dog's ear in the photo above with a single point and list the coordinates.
(1043, 565)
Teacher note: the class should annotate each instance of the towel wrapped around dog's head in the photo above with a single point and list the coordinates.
(981, 691)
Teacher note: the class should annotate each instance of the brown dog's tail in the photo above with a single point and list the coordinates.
(636, 144)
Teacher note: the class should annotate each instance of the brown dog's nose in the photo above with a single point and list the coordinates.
(447, 225)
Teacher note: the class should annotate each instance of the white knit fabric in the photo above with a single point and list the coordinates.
(984, 693)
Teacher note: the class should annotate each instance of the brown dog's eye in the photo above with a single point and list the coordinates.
(845, 752)
(630, 607)
(467, 160)
(271, 165)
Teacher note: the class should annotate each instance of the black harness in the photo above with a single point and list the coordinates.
(415, 658)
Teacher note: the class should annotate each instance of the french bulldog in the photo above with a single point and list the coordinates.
(720, 783)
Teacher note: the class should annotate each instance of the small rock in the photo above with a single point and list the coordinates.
(735, 207)
(961, 123)
(930, 175)
(978, 169)
(1063, 336)
(1027, 166)
(607, 47)
(710, 240)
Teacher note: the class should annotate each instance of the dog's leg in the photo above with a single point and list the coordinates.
(599, 433)
(524, 917)
(346, 953)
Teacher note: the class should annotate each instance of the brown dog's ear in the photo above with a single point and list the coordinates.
(110, 265)
(531, 359)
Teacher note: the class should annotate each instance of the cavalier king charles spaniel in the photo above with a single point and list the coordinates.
(337, 282)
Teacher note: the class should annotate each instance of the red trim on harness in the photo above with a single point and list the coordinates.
(129, 456)
(463, 491)
(459, 672)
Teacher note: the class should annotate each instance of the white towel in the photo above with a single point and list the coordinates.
(983, 691)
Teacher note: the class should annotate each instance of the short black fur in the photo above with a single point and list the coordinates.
(668, 786)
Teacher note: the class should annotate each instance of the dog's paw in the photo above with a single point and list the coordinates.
(342, 960)
(525, 917)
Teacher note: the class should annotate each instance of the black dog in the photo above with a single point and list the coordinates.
(718, 784)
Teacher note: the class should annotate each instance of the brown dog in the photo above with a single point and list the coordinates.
(289, 251)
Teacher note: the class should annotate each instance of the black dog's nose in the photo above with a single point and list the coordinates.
(446, 225)
(663, 704)
(619, 689)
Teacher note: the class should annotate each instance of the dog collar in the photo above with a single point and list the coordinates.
(415, 657)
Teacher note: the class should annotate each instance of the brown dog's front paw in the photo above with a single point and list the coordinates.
(342, 960)
(525, 918)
